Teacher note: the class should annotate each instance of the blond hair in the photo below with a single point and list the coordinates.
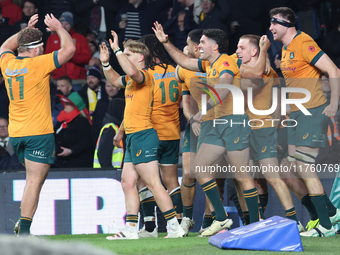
(137, 47)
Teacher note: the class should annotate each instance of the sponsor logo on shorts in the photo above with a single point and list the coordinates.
(264, 149)
(138, 153)
(38, 154)
(237, 139)
(318, 138)
(305, 136)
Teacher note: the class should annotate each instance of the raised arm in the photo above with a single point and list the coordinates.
(128, 67)
(68, 48)
(11, 44)
(178, 56)
(110, 74)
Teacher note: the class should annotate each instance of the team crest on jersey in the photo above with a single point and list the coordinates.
(311, 48)
(291, 55)
(214, 72)
(225, 63)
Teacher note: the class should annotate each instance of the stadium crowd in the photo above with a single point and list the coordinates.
(122, 45)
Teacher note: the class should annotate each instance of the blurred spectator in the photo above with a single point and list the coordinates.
(75, 68)
(137, 17)
(74, 147)
(64, 85)
(94, 49)
(11, 11)
(178, 28)
(8, 160)
(191, 7)
(106, 155)
(94, 89)
(65, 88)
(213, 16)
(277, 64)
(4, 136)
(92, 35)
(5, 29)
(98, 15)
(96, 61)
(102, 108)
(4, 101)
(29, 8)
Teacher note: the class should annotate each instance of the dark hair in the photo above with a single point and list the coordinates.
(219, 36)
(26, 36)
(66, 78)
(157, 51)
(195, 35)
(32, 2)
(94, 44)
(253, 39)
(285, 12)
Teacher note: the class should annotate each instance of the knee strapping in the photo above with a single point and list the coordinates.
(291, 159)
(144, 194)
(174, 190)
(306, 157)
(188, 185)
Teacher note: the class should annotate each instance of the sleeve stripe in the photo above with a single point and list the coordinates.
(179, 76)
(55, 58)
(227, 71)
(317, 57)
(124, 80)
(143, 77)
(185, 92)
(239, 63)
(6, 52)
(200, 65)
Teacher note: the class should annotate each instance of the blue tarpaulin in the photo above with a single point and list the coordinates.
(273, 234)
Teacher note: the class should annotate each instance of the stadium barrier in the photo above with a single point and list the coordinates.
(89, 201)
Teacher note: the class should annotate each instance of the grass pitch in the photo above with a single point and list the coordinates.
(191, 245)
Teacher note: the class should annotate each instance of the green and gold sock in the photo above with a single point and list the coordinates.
(260, 210)
(207, 220)
(170, 214)
(177, 200)
(330, 207)
(321, 208)
(25, 225)
(264, 201)
(307, 202)
(188, 211)
(251, 197)
(291, 214)
(210, 189)
(246, 217)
